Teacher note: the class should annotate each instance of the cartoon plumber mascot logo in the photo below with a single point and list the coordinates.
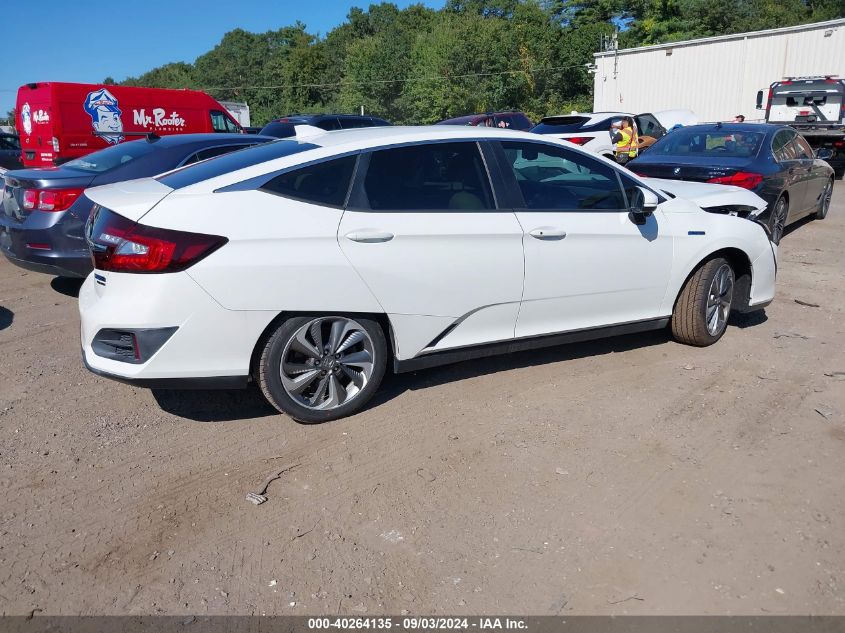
(101, 106)
(26, 119)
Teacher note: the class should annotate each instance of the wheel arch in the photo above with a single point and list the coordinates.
(743, 274)
(273, 325)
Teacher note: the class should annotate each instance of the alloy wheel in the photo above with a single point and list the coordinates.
(778, 220)
(327, 363)
(719, 299)
(827, 194)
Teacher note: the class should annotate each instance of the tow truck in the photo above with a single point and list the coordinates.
(815, 107)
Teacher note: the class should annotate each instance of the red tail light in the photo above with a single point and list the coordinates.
(744, 179)
(579, 140)
(50, 199)
(121, 245)
(30, 198)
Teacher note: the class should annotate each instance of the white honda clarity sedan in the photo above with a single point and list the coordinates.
(311, 265)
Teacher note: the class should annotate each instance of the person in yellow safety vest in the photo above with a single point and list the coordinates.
(624, 137)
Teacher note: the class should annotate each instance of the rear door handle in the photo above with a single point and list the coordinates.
(369, 237)
(547, 233)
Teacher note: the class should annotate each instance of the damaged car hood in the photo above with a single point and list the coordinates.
(707, 195)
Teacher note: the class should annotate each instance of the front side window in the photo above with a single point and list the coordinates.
(552, 177)
(221, 123)
(427, 177)
(649, 126)
(325, 183)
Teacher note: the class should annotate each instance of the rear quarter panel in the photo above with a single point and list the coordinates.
(282, 254)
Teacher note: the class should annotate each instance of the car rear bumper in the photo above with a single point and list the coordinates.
(208, 382)
(56, 249)
(210, 345)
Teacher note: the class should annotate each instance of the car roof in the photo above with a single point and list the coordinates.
(303, 117)
(396, 134)
(595, 115)
(175, 140)
(314, 144)
(735, 127)
(478, 115)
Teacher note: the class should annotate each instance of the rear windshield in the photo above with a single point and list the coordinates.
(9, 142)
(278, 129)
(112, 157)
(461, 120)
(233, 161)
(568, 124)
(711, 144)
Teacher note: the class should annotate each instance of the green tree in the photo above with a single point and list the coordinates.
(418, 65)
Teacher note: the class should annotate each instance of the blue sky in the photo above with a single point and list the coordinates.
(137, 36)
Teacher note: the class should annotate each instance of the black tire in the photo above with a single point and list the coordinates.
(824, 202)
(777, 219)
(270, 368)
(689, 318)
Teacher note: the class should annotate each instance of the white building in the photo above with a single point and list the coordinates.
(716, 77)
(240, 111)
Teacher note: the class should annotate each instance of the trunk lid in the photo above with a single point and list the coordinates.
(16, 182)
(131, 198)
(678, 170)
(709, 196)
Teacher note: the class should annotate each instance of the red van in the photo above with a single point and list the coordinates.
(61, 121)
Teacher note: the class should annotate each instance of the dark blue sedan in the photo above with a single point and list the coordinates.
(773, 161)
(45, 210)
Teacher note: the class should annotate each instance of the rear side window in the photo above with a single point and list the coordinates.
(428, 177)
(192, 174)
(782, 147)
(803, 147)
(325, 183)
(552, 177)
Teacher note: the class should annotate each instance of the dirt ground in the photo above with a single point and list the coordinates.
(633, 475)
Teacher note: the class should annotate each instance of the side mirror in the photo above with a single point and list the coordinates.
(759, 99)
(824, 153)
(642, 204)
